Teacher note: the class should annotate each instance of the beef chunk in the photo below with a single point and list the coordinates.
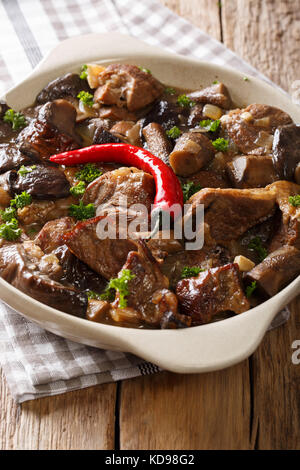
(157, 141)
(164, 243)
(11, 157)
(114, 113)
(102, 136)
(77, 273)
(127, 85)
(52, 132)
(23, 266)
(109, 189)
(286, 151)
(42, 182)
(230, 212)
(192, 151)
(207, 179)
(212, 292)
(51, 240)
(206, 258)
(251, 171)
(51, 236)
(148, 292)
(164, 113)
(276, 270)
(62, 87)
(39, 212)
(215, 94)
(288, 232)
(105, 256)
(252, 129)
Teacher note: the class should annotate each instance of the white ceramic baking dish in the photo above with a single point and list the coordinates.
(198, 349)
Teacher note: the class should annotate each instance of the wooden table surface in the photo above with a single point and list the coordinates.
(253, 405)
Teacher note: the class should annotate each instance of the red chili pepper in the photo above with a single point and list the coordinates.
(168, 188)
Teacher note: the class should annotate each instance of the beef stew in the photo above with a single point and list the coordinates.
(242, 165)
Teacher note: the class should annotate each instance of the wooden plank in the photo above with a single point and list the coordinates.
(171, 411)
(276, 413)
(266, 34)
(83, 419)
(275, 380)
(198, 13)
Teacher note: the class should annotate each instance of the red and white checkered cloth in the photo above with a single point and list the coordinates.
(37, 363)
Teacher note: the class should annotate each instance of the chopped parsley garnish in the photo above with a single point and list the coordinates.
(191, 271)
(210, 125)
(86, 98)
(170, 91)
(295, 200)
(215, 82)
(108, 295)
(185, 102)
(78, 189)
(120, 284)
(21, 200)
(246, 79)
(88, 173)
(174, 132)
(8, 214)
(26, 169)
(256, 245)
(92, 295)
(143, 69)
(250, 289)
(17, 120)
(189, 189)
(10, 230)
(221, 144)
(83, 72)
(82, 211)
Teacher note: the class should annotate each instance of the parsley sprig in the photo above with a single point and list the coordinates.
(174, 132)
(189, 189)
(108, 295)
(86, 98)
(120, 284)
(83, 72)
(21, 200)
(81, 211)
(88, 173)
(170, 91)
(256, 245)
(210, 125)
(8, 214)
(295, 200)
(78, 189)
(10, 230)
(251, 288)
(221, 144)
(17, 120)
(185, 102)
(143, 69)
(191, 271)
(24, 170)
